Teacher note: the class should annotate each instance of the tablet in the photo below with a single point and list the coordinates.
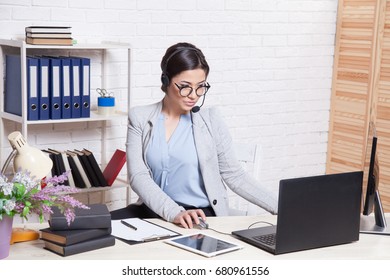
(203, 244)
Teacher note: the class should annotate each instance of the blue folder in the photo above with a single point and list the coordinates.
(43, 89)
(55, 88)
(66, 102)
(85, 87)
(75, 87)
(13, 88)
(32, 88)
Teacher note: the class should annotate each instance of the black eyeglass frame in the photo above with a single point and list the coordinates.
(206, 86)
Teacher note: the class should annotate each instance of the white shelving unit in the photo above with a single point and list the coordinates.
(21, 48)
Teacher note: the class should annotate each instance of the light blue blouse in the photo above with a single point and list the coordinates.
(174, 164)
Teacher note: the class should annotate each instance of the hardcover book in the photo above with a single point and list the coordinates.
(53, 171)
(67, 168)
(58, 164)
(48, 35)
(78, 179)
(96, 168)
(69, 237)
(75, 163)
(81, 247)
(87, 168)
(114, 166)
(49, 41)
(97, 216)
(48, 29)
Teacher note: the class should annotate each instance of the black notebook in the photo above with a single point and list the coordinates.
(58, 164)
(98, 216)
(78, 179)
(95, 167)
(88, 168)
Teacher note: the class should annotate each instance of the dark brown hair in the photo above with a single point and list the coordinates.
(181, 57)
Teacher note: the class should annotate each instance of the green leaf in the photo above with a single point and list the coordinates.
(34, 190)
(20, 190)
(26, 210)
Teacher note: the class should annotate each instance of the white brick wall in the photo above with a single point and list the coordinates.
(271, 66)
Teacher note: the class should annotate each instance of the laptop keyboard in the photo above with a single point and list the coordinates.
(268, 239)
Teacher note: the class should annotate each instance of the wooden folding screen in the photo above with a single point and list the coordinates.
(361, 89)
(381, 102)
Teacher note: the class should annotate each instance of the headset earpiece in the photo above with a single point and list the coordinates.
(164, 77)
(164, 80)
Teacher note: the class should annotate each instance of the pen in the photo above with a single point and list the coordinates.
(128, 225)
(155, 238)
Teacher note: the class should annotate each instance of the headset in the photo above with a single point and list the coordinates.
(165, 79)
(164, 76)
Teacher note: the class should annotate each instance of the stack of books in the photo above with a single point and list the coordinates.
(90, 230)
(49, 35)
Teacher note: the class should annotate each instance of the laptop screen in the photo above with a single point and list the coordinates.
(314, 212)
(319, 211)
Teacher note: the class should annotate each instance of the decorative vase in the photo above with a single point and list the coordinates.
(5, 236)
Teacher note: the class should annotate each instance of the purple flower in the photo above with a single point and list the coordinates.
(26, 196)
(57, 179)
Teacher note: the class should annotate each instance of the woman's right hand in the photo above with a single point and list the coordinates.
(188, 218)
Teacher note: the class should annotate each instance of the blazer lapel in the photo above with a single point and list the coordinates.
(201, 137)
(205, 148)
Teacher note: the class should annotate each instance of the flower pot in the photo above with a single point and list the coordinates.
(5, 233)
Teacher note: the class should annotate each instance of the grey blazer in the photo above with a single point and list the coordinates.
(218, 164)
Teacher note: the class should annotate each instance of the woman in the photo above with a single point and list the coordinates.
(179, 157)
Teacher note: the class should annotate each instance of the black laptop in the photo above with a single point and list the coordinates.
(313, 212)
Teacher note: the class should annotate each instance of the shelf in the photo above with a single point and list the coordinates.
(100, 52)
(94, 117)
(102, 46)
(21, 44)
(119, 183)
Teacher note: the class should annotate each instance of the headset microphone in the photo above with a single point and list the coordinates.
(196, 109)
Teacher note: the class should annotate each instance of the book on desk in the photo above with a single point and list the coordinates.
(69, 237)
(81, 247)
(90, 230)
(97, 216)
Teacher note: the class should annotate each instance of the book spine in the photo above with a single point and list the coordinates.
(89, 245)
(88, 235)
(74, 236)
(81, 247)
(96, 168)
(88, 169)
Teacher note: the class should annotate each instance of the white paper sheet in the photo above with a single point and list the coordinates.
(145, 231)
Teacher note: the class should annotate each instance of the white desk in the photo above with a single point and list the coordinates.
(368, 247)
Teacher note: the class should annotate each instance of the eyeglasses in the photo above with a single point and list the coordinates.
(201, 90)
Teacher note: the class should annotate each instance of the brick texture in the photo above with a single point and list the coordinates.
(271, 67)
